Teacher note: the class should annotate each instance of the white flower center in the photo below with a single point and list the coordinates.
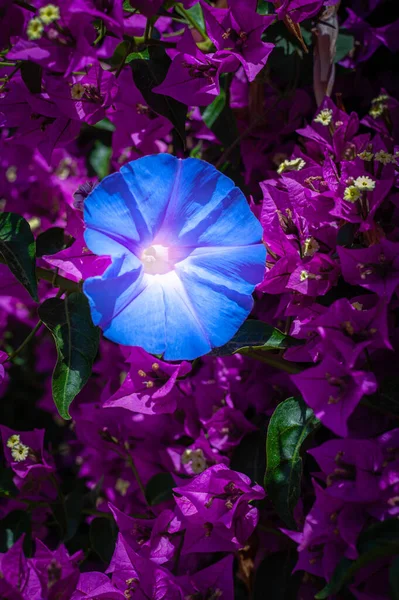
(155, 260)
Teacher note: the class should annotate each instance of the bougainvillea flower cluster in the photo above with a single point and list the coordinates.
(199, 275)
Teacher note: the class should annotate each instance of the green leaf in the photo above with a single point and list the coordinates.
(127, 7)
(103, 538)
(159, 489)
(144, 55)
(264, 7)
(249, 456)
(289, 426)
(255, 335)
(76, 339)
(120, 53)
(7, 486)
(378, 541)
(274, 574)
(345, 43)
(12, 526)
(194, 16)
(224, 124)
(394, 579)
(31, 74)
(100, 158)
(51, 241)
(147, 74)
(213, 111)
(105, 125)
(18, 249)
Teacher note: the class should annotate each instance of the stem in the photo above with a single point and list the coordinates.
(274, 361)
(7, 63)
(58, 281)
(128, 51)
(25, 342)
(26, 5)
(184, 13)
(137, 476)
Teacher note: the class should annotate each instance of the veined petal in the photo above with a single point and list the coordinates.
(239, 268)
(219, 308)
(206, 209)
(128, 305)
(185, 334)
(125, 211)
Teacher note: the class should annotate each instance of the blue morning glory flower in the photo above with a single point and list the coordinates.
(186, 255)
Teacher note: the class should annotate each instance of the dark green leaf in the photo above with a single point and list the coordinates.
(120, 53)
(12, 526)
(7, 486)
(147, 74)
(18, 249)
(274, 578)
(76, 339)
(100, 158)
(103, 538)
(255, 335)
(105, 125)
(387, 398)
(289, 426)
(51, 241)
(213, 111)
(128, 7)
(224, 124)
(345, 43)
(264, 7)
(144, 55)
(338, 579)
(249, 456)
(194, 16)
(159, 488)
(378, 541)
(394, 579)
(31, 74)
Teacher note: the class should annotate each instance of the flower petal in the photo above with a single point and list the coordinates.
(207, 209)
(125, 211)
(128, 305)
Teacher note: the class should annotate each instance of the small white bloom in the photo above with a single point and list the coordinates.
(296, 164)
(35, 29)
(13, 440)
(365, 183)
(351, 193)
(20, 452)
(324, 117)
(48, 14)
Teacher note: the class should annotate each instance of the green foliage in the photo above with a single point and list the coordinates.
(274, 574)
(103, 535)
(149, 73)
(159, 488)
(394, 578)
(255, 336)
(76, 339)
(264, 7)
(31, 74)
(249, 456)
(345, 43)
(378, 541)
(51, 241)
(220, 119)
(12, 526)
(18, 249)
(100, 158)
(7, 486)
(289, 426)
(214, 110)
